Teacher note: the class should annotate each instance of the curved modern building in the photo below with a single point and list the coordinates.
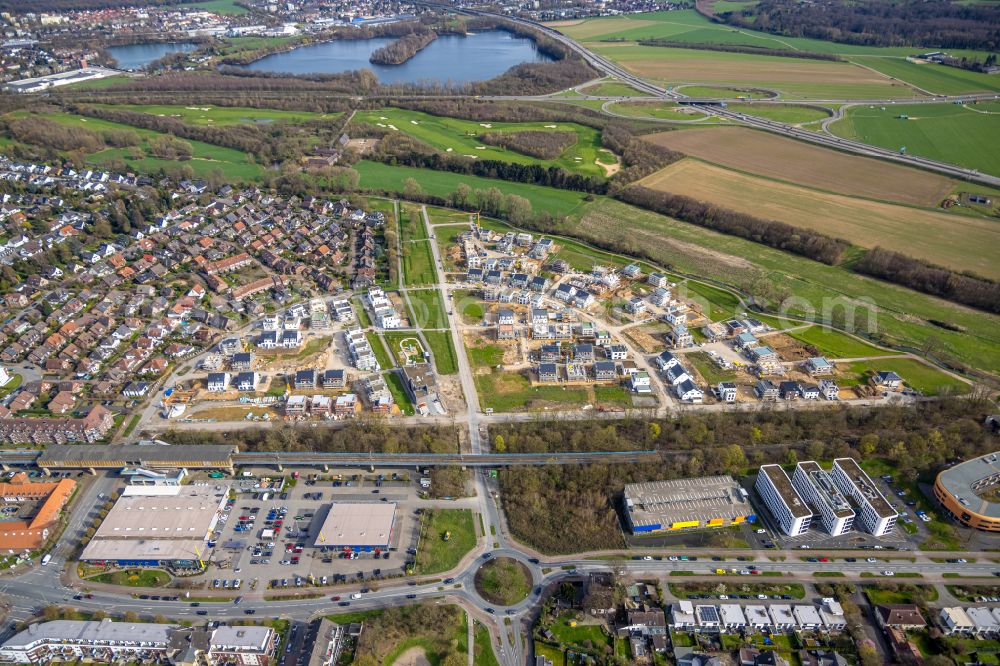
(958, 490)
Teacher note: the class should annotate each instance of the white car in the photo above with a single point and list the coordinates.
(872, 559)
(648, 558)
(356, 595)
(672, 558)
(961, 560)
(761, 531)
(888, 573)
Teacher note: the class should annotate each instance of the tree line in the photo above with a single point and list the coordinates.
(565, 508)
(805, 242)
(740, 48)
(900, 269)
(536, 143)
(937, 23)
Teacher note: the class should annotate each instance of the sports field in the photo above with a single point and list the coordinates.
(960, 134)
(796, 78)
(961, 243)
(206, 157)
(222, 115)
(461, 137)
(773, 156)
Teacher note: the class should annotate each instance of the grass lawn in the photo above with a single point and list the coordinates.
(924, 378)
(503, 581)
(611, 88)
(462, 137)
(428, 308)
(469, 306)
(903, 596)
(384, 358)
(435, 555)
(682, 590)
(395, 339)
(709, 371)
(133, 578)
(947, 132)
(783, 113)
(418, 263)
(12, 385)
(836, 344)
(206, 157)
(395, 385)
(723, 92)
(411, 224)
(485, 356)
(133, 422)
(580, 633)
(661, 110)
(483, 654)
(512, 391)
(361, 313)
(378, 176)
(553, 654)
(445, 360)
(612, 396)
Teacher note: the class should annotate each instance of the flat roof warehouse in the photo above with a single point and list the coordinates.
(358, 525)
(712, 501)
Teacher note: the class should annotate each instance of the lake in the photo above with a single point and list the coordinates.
(449, 58)
(137, 56)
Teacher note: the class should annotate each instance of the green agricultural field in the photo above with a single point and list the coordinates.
(924, 378)
(691, 27)
(435, 553)
(220, 7)
(462, 137)
(378, 176)
(418, 263)
(659, 110)
(206, 157)
(836, 344)
(782, 113)
(445, 360)
(935, 79)
(947, 132)
(612, 88)
(428, 307)
(794, 78)
(223, 115)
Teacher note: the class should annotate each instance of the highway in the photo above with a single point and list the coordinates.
(608, 67)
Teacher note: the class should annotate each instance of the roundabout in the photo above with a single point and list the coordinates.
(503, 581)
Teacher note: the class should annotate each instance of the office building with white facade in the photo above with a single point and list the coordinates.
(874, 513)
(787, 507)
(816, 486)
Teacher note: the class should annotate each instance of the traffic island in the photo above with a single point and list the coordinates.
(503, 581)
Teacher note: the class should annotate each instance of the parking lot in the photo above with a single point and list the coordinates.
(267, 537)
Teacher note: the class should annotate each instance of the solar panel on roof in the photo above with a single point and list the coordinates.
(708, 613)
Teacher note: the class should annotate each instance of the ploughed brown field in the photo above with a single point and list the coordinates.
(797, 162)
(958, 242)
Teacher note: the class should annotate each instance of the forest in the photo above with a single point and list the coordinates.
(563, 508)
(404, 48)
(938, 24)
(898, 268)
